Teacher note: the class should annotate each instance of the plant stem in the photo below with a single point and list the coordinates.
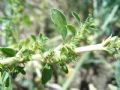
(95, 7)
(89, 48)
(78, 50)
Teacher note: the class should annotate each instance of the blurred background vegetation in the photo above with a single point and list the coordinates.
(31, 17)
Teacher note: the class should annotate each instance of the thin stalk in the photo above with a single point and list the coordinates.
(110, 17)
(95, 7)
(77, 68)
(107, 21)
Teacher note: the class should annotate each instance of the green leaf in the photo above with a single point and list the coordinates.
(7, 82)
(33, 37)
(42, 38)
(76, 16)
(27, 54)
(5, 75)
(5, 78)
(21, 70)
(64, 68)
(26, 20)
(8, 51)
(64, 51)
(46, 74)
(71, 29)
(59, 20)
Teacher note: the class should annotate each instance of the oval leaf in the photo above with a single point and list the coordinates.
(71, 29)
(59, 20)
(46, 74)
(8, 51)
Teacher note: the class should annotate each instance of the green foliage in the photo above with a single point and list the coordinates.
(76, 16)
(9, 52)
(26, 20)
(5, 78)
(46, 74)
(64, 68)
(72, 29)
(67, 53)
(5, 82)
(33, 43)
(27, 54)
(112, 45)
(60, 21)
(26, 48)
(20, 69)
(87, 28)
(10, 21)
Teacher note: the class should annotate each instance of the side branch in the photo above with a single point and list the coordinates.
(89, 48)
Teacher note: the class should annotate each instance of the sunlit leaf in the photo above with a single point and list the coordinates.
(59, 20)
(71, 28)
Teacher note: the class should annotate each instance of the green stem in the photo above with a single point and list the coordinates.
(77, 68)
(110, 17)
(95, 7)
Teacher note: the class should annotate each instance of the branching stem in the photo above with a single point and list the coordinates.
(78, 50)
